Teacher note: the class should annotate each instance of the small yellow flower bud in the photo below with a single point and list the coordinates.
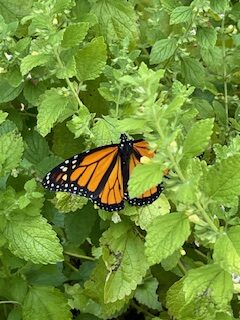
(194, 218)
(173, 146)
(183, 252)
(55, 21)
(145, 160)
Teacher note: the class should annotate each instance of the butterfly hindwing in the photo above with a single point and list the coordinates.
(140, 149)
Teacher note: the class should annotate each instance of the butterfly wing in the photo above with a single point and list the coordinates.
(140, 149)
(96, 174)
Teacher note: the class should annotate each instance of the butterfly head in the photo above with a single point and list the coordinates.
(123, 138)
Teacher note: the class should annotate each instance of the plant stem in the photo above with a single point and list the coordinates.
(183, 37)
(170, 155)
(72, 254)
(9, 301)
(182, 267)
(117, 104)
(176, 166)
(201, 254)
(141, 309)
(183, 179)
(205, 216)
(224, 69)
(23, 113)
(69, 83)
(71, 266)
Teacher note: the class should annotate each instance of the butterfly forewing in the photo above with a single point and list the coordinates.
(96, 174)
(111, 197)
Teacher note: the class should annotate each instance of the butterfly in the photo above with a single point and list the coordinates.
(102, 174)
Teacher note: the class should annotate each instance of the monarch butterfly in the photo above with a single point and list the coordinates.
(102, 174)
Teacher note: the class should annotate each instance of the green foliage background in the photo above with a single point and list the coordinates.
(74, 75)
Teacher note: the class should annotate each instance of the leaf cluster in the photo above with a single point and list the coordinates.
(73, 76)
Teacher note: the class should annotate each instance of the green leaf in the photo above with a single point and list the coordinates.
(104, 131)
(3, 116)
(223, 151)
(32, 61)
(206, 37)
(91, 298)
(176, 301)
(197, 138)
(186, 192)
(74, 34)
(15, 9)
(144, 216)
(169, 5)
(32, 201)
(122, 251)
(219, 6)
(227, 250)
(44, 303)
(15, 314)
(146, 294)
(131, 125)
(33, 91)
(117, 20)
(94, 289)
(8, 92)
(224, 316)
(144, 177)
(210, 280)
(220, 112)
(163, 50)
(61, 5)
(199, 308)
(193, 72)
(166, 234)
(54, 107)
(36, 148)
(11, 150)
(181, 14)
(170, 262)
(78, 225)
(79, 300)
(66, 202)
(235, 11)
(221, 182)
(8, 200)
(205, 109)
(91, 60)
(7, 126)
(14, 76)
(79, 124)
(212, 57)
(173, 107)
(47, 163)
(13, 288)
(23, 44)
(67, 69)
(67, 147)
(44, 275)
(32, 238)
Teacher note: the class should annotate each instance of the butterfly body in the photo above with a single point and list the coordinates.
(102, 174)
